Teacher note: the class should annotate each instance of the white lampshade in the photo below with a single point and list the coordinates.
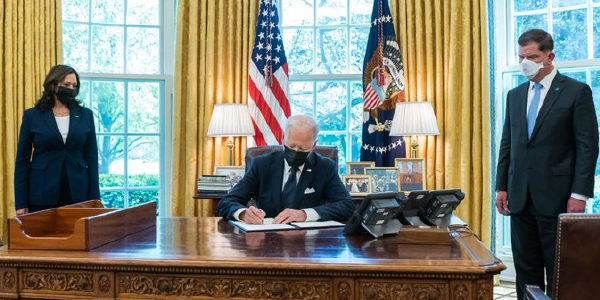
(414, 118)
(230, 119)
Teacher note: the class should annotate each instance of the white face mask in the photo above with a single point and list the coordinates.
(530, 68)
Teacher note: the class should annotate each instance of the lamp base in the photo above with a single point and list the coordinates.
(230, 154)
(414, 146)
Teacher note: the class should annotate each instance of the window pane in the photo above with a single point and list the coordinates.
(143, 12)
(356, 145)
(570, 35)
(360, 11)
(299, 47)
(596, 95)
(113, 199)
(338, 140)
(75, 46)
(302, 13)
(301, 97)
(565, 3)
(596, 28)
(143, 50)
(138, 197)
(108, 103)
(332, 55)
(75, 10)
(332, 12)
(107, 49)
(356, 113)
(144, 107)
(358, 46)
(110, 156)
(332, 99)
(84, 94)
(523, 5)
(108, 11)
(142, 159)
(579, 75)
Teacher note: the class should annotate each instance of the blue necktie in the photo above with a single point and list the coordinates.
(533, 108)
(289, 189)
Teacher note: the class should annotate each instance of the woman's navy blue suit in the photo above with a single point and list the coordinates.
(42, 154)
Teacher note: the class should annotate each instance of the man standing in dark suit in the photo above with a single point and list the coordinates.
(291, 185)
(547, 158)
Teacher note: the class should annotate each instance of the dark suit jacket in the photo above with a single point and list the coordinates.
(264, 181)
(37, 177)
(560, 158)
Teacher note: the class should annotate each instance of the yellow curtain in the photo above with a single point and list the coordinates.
(214, 43)
(30, 43)
(444, 43)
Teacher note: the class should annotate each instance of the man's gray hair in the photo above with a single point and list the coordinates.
(302, 122)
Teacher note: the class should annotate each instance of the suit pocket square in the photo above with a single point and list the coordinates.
(309, 191)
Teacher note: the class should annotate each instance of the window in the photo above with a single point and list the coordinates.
(325, 43)
(575, 27)
(117, 48)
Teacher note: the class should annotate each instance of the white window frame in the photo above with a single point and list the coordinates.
(165, 78)
(315, 78)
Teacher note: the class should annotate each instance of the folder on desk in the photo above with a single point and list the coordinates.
(269, 226)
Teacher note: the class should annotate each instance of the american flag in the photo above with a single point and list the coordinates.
(268, 79)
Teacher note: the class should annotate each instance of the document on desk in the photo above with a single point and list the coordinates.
(269, 226)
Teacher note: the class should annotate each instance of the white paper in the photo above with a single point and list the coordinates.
(266, 226)
(269, 226)
(317, 224)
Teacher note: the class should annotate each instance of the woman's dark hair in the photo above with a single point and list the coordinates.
(55, 76)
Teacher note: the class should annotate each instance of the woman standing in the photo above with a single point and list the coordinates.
(62, 137)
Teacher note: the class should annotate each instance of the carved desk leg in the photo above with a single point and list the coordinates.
(8, 283)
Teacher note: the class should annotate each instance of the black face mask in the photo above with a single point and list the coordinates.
(294, 158)
(66, 95)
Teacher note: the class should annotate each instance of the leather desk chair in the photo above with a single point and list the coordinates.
(577, 264)
(326, 151)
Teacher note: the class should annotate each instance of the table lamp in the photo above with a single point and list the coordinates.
(413, 119)
(230, 119)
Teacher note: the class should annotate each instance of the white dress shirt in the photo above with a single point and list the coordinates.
(63, 126)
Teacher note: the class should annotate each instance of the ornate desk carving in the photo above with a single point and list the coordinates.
(207, 258)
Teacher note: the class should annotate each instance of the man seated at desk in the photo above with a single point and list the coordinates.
(291, 185)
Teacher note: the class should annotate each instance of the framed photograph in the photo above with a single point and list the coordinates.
(235, 173)
(357, 185)
(411, 174)
(384, 179)
(358, 167)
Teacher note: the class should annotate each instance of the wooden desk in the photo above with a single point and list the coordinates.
(207, 258)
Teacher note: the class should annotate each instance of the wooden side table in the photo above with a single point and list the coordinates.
(215, 198)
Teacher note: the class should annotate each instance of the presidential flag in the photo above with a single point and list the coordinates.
(383, 87)
(268, 79)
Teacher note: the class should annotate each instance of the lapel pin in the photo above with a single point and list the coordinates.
(556, 89)
(308, 170)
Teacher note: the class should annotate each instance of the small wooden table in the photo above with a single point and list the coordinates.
(207, 258)
(215, 198)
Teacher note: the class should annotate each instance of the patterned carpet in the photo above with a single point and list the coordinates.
(505, 291)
